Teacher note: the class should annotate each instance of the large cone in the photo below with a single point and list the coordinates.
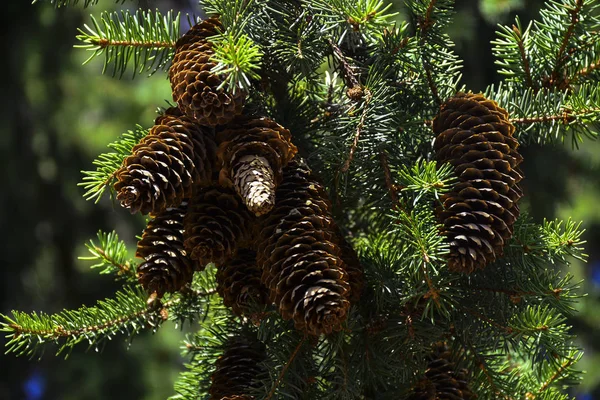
(251, 155)
(216, 224)
(300, 258)
(237, 369)
(166, 267)
(195, 88)
(238, 283)
(176, 154)
(442, 380)
(475, 136)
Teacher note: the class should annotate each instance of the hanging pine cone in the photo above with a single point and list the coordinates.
(442, 380)
(160, 172)
(166, 267)
(299, 257)
(475, 136)
(237, 369)
(251, 155)
(238, 283)
(195, 88)
(216, 224)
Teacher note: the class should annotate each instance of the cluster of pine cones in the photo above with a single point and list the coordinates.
(225, 188)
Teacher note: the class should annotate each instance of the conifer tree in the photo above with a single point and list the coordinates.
(324, 170)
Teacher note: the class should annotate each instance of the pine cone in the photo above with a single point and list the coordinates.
(160, 172)
(299, 256)
(251, 155)
(216, 224)
(166, 267)
(238, 283)
(195, 88)
(237, 369)
(475, 136)
(442, 380)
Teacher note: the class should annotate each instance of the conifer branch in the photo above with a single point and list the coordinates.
(145, 39)
(127, 313)
(70, 3)
(389, 181)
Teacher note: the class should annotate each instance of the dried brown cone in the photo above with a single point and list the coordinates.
(299, 256)
(238, 283)
(195, 88)
(216, 224)
(176, 154)
(166, 267)
(442, 380)
(237, 369)
(475, 135)
(251, 155)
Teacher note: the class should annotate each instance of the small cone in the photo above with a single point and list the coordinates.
(238, 283)
(237, 369)
(216, 224)
(166, 267)
(254, 181)
(251, 155)
(195, 88)
(176, 154)
(474, 134)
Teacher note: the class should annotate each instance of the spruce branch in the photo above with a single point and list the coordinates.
(511, 50)
(144, 39)
(96, 182)
(71, 3)
(128, 313)
(110, 256)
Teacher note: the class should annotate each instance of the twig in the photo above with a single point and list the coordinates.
(556, 375)
(526, 65)
(565, 118)
(285, 368)
(560, 56)
(359, 128)
(104, 43)
(389, 181)
(124, 268)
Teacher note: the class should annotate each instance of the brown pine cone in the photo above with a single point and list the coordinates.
(162, 168)
(195, 88)
(300, 258)
(474, 134)
(238, 283)
(166, 267)
(216, 224)
(237, 369)
(251, 155)
(442, 380)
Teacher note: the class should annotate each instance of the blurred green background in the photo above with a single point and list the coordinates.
(57, 116)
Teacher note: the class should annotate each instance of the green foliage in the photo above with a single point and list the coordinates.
(238, 58)
(359, 96)
(143, 39)
(96, 182)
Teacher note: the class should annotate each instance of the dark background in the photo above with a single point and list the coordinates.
(57, 116)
